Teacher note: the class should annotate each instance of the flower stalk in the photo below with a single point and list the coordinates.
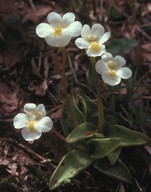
(101, 118)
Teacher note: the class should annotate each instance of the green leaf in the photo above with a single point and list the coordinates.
(83, 105)
(89, 109)
(83, 131)
(71, 115)
(102, 147)
(114, 155)
(128, 137)
(118, 171)
(71, 164)
(92, 111)
(121, 45)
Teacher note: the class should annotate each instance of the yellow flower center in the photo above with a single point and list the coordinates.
(58, 31)
(95, 46)
(111, 64)
(31, 126)
(112, 73)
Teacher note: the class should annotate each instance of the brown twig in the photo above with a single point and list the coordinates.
(29, 151)
(144, 33)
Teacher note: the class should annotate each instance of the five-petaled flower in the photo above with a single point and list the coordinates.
(60, 30)
(112, 69)
(92, 40)
(33, 122)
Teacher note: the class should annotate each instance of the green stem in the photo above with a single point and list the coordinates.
(101, 117)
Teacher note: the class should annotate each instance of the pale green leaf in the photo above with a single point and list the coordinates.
(71, 115)
(118, 171)
(114, 155)
(83, 131)
(89, 108)
(103, 146)
(71, 164)
(128, 137)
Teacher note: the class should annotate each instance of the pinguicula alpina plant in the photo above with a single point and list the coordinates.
(92, 138)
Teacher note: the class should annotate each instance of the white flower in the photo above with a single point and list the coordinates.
(33, 122)
(112, 69)
(60, 30)
(92, 40)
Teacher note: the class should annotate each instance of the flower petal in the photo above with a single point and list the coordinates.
(53, 41)
(85, 31)
(119, 60)
(43, 30)
(81, 43)
(44, 125)
(92, 53)
(68, 18)
(20, 120)
(101, 67)
(54, 19)
(106, 57)
(104, 37)
(66, 33)
(111, 81)
(58, 41)
(75, 28)
(97, 30)
(29, 107)
(30, 136)
(124, 73)
(41, 109)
